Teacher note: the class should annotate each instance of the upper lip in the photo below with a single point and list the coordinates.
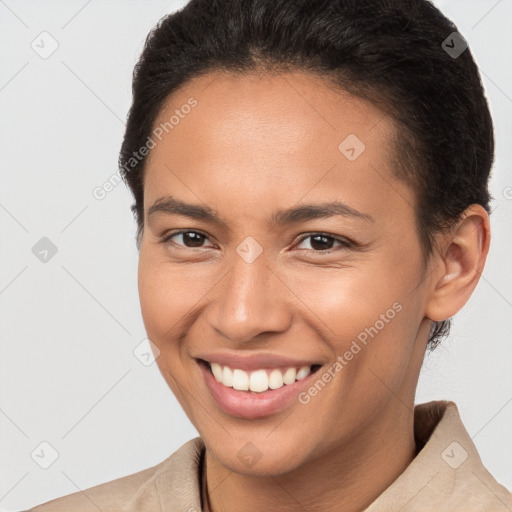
(251, 362)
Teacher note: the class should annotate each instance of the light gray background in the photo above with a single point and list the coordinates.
(69, 326)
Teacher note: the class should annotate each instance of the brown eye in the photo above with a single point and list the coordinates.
(322, 242)
(190, 239)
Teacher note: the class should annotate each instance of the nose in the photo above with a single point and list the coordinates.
(250, 300)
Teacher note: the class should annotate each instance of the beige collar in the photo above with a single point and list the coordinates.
(447, 474)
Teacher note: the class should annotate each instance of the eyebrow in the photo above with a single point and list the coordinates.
(302, 213)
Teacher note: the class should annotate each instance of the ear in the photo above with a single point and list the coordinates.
(459, 261)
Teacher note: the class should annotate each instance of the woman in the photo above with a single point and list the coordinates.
(310, 181)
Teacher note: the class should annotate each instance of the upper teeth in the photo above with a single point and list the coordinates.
(259, 380)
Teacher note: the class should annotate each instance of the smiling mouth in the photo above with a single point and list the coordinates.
(260, 380)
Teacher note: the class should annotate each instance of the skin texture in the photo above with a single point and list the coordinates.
(251, 146)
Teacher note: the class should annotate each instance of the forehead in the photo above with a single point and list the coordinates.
(282, 134)
(295, 106)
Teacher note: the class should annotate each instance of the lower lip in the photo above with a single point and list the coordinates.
(249, 404)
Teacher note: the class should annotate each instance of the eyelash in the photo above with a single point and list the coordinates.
(345, 244)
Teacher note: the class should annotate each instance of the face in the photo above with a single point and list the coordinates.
(276, 238)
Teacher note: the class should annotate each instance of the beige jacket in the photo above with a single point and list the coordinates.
(446, 475)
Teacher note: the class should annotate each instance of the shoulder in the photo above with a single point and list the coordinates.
(447, 473)
(141, 491)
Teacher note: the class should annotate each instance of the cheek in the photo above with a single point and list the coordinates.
(165, 300)
(169, 294)
(346, 299)
(365, 309)
(156, 297)
(161, 297)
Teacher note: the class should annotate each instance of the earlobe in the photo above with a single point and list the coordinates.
(460, 260)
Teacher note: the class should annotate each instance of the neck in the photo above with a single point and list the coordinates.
(349, 477)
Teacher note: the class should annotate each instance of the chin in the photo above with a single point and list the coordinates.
(260, 456)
